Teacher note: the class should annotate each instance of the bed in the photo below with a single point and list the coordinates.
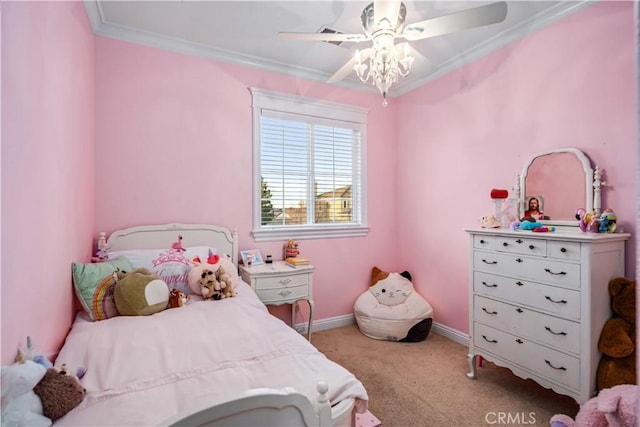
(226, 362)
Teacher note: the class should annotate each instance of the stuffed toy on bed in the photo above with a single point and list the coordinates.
(140, 293)
(60, 392)
(214, 279)
(21, 406)
(392, 310)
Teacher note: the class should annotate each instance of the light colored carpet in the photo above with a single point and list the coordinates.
(425, 383)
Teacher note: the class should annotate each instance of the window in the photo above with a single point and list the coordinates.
(308, 167)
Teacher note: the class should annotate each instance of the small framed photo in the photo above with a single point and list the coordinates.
(251, 257)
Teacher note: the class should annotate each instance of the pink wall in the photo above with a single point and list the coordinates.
(572, 84)
(47, 167)
(173, 144)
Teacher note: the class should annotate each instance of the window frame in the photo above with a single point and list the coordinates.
(300, 105)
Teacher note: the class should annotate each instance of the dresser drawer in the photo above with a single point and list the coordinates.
(520, 266)
(521, 245)
(564, 250)
(549, 330)
(281, 281)
(484, 242)
(560, 302)
(291, 293)
(553, 365)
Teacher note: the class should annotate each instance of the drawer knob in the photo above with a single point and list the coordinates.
(488, 340)
(481, 242)
(284, 293)
(562, 301)
(561, 273)
(489, 312)
(284, 281)
(553, 332)
(489, 262)
(519, 283)
(519, 341)
(519, 260)
(563, 250)
(519, 310)
(561, 368)
(490, 286)
(519, 241)
(505, 244)
(531, 247)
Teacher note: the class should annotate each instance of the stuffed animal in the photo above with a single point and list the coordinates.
(587, 221)
(140, 293)
(226, 283)
(200, 280)
(21, 406)
(489, 221)
(59, 392)
(618, 337)
(612, 407)
(608, 221)
(177, 298)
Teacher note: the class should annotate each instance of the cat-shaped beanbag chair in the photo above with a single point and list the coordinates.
(392, 310)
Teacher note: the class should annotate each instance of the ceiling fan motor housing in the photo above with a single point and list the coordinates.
(371, 28)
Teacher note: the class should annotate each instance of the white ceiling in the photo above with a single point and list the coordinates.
(244, 32)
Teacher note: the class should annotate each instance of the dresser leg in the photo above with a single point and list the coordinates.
(471, 359)
(310, 319)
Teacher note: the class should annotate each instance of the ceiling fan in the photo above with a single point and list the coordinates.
(383, 21)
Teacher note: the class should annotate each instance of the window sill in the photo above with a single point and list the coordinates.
(267, 235)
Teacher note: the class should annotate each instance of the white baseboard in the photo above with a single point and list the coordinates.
(349, 319)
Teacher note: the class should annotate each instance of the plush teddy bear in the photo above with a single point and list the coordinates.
(60, 392)
(140, 293)
(177, 298)
(210, 287)
(618, 337)
(612, 407)
(213, 280)
(21, 406)
(226, 283)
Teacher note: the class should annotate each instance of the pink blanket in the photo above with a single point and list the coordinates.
(142, 370)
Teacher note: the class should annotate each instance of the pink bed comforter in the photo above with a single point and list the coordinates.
(143, 370)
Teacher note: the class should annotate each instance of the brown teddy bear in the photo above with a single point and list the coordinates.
(59, 392)
(618, 337)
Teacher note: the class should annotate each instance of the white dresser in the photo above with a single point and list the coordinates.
(538, 301)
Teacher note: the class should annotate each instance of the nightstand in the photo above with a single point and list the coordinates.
(278, 283)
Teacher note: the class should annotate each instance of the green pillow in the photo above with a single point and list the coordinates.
(94, 285)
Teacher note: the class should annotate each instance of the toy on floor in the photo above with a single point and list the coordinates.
(60, 392)
(21, 406)
(617, 341)
(612, 407)
(392, 310)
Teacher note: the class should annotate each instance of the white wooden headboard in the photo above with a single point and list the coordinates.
(161, 236)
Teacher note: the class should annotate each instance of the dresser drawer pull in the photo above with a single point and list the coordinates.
(519, 310)
(563, 250)
(519, 260)
(531, 247)
(284, 281)
(519, 241)
(489, 312)
(284, 293)
(553, 332)
(519, 341)
(489, 262)
(562, 301)
(561, 368)
(488, 340)
(505, 244)
(562, 273)
(519, 283)
(481, 242)
(490, 286)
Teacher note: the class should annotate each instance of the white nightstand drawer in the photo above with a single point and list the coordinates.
(292, 293)
(282, 281)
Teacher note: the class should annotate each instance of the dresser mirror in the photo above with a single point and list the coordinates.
(560, 180)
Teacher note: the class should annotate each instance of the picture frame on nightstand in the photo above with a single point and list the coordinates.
(251, 257)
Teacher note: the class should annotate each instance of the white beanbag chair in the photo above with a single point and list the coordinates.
(391, 309)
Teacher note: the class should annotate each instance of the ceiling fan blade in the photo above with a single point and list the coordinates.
(470, 18)
(326, 37)
(388, 9)
(347, 68)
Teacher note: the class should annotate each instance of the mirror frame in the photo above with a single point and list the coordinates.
(593, 185)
